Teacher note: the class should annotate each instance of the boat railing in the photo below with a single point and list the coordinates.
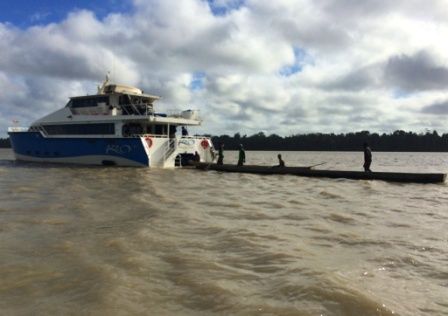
(14, 129)
(194, 137)
(187, 114)
(173, 113)
(38, 128)
(123, 109)
(137, 109)
(170, 148)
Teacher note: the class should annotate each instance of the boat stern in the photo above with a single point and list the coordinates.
(166, 152)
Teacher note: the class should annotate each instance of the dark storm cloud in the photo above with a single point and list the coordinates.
(440, 108)
(354, 81)
(294, 115)
(241, 116)
(413, 73)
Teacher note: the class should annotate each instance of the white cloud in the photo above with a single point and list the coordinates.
(376, 65)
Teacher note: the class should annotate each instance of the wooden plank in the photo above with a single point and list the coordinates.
(308, 172)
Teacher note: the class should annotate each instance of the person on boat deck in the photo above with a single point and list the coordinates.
(196, 157)
(241, 156)
(281, 163)
(184, 131)
(220, 155)
(367, 158)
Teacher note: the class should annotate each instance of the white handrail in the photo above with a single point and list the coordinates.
(17, 129)
(170, 148)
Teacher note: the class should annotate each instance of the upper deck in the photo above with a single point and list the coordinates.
(113, 103)
(114, 99)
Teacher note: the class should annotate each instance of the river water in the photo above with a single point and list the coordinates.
(134, 241)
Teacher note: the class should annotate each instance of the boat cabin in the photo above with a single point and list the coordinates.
(114, 100)
(116, 110)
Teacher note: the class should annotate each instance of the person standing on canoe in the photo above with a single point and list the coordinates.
(367, 157)
(220, 155)
(241, 156)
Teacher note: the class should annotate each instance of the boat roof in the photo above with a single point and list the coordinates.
(108, 88)
(119, 89)
(125, 89)
(149, 96)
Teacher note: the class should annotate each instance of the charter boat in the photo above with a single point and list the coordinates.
(117, 126)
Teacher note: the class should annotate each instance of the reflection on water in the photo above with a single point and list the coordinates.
(127, 241)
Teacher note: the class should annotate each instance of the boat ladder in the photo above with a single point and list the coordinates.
(169, 150)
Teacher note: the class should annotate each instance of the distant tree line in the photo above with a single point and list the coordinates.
(396, 141)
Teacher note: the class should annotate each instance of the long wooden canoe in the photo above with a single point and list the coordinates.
(309, 172)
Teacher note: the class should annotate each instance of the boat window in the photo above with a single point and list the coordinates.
(132, 129)
(88, 102)
(80, 129)
(123, 99)
(126, 99)
(160, 129)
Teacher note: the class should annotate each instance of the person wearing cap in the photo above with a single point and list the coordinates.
(241, 156)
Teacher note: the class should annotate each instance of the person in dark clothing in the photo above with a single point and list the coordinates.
(367, 157)
(184, 131)
(281, 163)
(196, 157)
(241, 156)
(220, 155)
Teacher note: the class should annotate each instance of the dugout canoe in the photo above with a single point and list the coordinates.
(309, 172)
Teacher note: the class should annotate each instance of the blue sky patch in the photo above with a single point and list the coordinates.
(287, 71)
(25, 13)
(223, 7)
(198, 80)
(400, 94)
(299, 60)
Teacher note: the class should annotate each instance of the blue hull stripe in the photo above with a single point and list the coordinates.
(33, 144)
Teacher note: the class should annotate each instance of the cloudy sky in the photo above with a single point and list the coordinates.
(285, 66)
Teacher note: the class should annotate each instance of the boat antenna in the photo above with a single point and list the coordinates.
(104, 84)
(113, 65)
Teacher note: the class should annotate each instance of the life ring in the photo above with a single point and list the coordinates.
(204, 143)
(148, 141)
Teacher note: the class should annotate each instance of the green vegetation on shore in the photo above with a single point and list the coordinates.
(396, 141)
